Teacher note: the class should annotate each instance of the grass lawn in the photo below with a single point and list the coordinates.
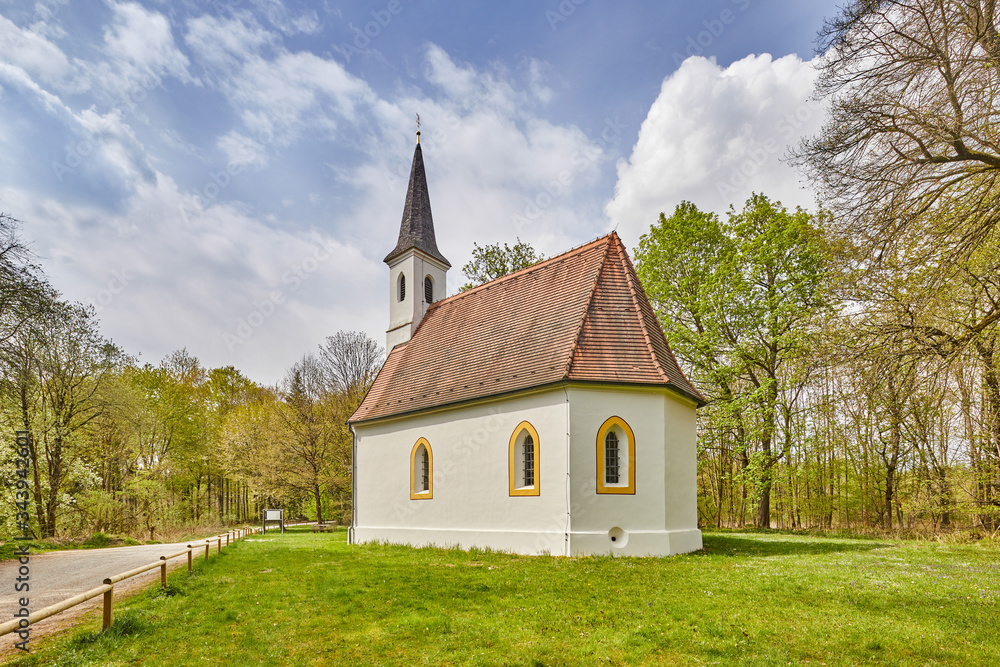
(755, 599)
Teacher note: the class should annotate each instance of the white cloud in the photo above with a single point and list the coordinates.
(538, 88)
(242, 151)
(279, 16)
(143, 39)
(455, 81)
(113, 140)
(714, 135)
(224, 43)
(34, 53)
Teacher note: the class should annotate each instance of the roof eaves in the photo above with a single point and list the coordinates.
(464, 401)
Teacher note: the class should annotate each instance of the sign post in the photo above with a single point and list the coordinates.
(273, 515)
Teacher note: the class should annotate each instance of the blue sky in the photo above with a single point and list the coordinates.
(226, 176)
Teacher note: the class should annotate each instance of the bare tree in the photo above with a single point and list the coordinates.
(24, 294)
(349, 361)
(912, 144)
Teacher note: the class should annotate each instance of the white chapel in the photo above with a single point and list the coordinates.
(542, 412)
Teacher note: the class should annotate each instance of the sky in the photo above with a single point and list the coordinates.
(226, 176)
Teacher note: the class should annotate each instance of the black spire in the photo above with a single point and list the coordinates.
(417, 228)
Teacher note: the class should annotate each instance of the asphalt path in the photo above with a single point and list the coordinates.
(57, 575)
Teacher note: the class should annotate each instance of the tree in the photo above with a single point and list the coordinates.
(252, 446)
(308, 418)
(63, 368)
(350, 360)
(490, 262)
(24, 294)
(738, 300)
(911, 148)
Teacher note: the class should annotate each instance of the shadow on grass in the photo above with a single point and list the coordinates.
(719, 544)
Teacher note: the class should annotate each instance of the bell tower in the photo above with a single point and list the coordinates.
(417, 269)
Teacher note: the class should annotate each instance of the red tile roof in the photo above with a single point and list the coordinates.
(580, 316)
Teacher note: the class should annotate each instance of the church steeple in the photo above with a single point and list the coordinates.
(417, 227)
(417, 269)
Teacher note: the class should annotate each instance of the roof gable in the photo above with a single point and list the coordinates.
(579, 316)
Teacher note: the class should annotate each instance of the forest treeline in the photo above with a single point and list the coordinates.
(146, 450)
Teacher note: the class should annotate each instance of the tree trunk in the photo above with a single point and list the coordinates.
(55, 485)
(764, 506)
(319, 503)
(990, 462)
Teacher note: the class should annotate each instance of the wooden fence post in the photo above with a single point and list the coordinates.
(109, 596)
(163, 572)
(208, 543)
(190, 557)
(220, 543)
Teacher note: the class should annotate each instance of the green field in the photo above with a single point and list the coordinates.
(755, 599)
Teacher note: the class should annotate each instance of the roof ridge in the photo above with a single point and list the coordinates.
(586, 310)
(627, 265)
(527, 269)
(631, 272)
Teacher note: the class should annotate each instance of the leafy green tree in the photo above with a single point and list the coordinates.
(737, 300)
(490, 262)
(63, 366)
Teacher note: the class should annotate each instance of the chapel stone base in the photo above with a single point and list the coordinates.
(533, 543)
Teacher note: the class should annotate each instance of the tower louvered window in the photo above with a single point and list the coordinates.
(611, 458)
(428, 290)
(529, 461)
(402, 287)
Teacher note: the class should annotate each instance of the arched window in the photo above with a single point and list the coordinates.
(615, 457)
(611, 458)
(421, 471)
(522, 461)
(428, 290)
(401, 292)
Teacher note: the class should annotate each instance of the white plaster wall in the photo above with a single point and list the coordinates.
(471, 504)
(661, 517)
(680, 474)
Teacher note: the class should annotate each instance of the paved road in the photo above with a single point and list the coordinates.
(58, 575)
